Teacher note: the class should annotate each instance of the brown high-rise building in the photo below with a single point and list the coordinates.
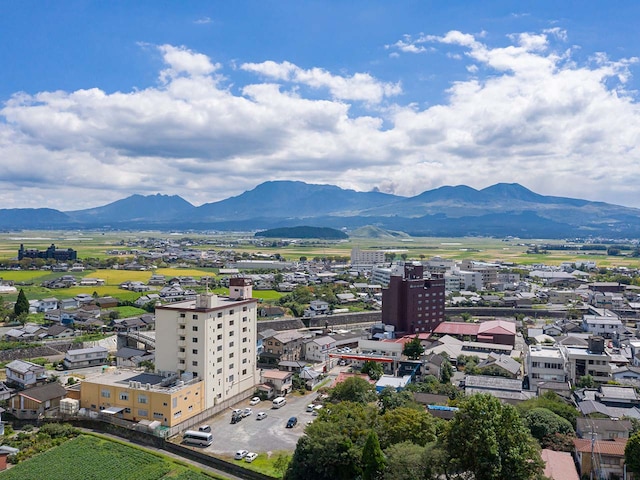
(413, 304)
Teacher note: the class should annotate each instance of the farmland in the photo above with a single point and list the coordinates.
(91, 457)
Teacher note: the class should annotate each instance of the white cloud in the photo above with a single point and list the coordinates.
(360, 86)
(526, 113)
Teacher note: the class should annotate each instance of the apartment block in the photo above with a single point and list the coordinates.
(545, 364)
(213, 338)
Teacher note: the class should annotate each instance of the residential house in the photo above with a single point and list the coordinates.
(317, 307)
(318, 349)
(132, 357)
(280, 381)
(602, 428)
(144, 299)
(285, 345)
(506, 389)
(606, 326)
(271, 311)
(35, 402)
(47, 304)
(106, 302)
(91, 282)
(592, 360)
(85, 357)
(68, 303)
(24, 374)
(607, 460)
(60, 331)
(507, 366)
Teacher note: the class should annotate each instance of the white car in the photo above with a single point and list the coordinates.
(240, 454)
(310, 407)
(250, 457)
(246, 412)
(254, 401)
(261, 415)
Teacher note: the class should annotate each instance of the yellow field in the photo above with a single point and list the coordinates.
(185, 272)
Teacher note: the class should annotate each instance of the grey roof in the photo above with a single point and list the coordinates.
(498, 383)
(22, 366)
(615, 392)
(81, 351)
(584, 424)
(128, 352)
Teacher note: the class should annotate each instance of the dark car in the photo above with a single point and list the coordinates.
(292, 422)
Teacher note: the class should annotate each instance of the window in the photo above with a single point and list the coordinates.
(105, 393)
(230, 378)
(231, 355)
(182, 315)
(244, 360)
(182, 327)
(124, 396)
(219, 370)
(231, 366)
(194, 339)
(244, 372)
(127, 410)
(220, 337)
(142, 412)
(194, 351)
(195, 317)
(219, 360)
(142, 399)
(194, 363)
(177, 414)
(244, 329)
(231, 322)
(244, 309)
(231, 313)
(181, 361)
(230, 344)
(244, 319)
(231, 333)
(174, 402)
(244, 350)
(219, 325)
(182, 339)
(219, 314)
(219, 348)
(194, 328)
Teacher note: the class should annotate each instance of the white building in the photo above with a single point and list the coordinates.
(317, 350)
(213, 338)
(606, 326)
(545, 364)
(85, 357)
(366, 258)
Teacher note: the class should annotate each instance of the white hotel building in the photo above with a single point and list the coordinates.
(213, 338)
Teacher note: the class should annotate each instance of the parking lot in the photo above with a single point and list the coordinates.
(261, 436)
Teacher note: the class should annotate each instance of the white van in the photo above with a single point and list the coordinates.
(279, 402)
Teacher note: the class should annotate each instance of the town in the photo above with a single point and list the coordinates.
(207, 358)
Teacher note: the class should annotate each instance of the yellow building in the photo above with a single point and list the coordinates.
(139, 396)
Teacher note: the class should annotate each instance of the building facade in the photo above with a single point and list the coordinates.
(412, 303)
(213, 338)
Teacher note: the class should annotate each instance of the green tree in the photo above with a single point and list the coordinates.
(446, 372)
(406, 424)
(372, 458)
(22, 304)
(632, 454)
(490, 440)
(544, 425)
(405, 461)
(586, 381)
(353, 389)
(413, 348)
(389, 398)
(373, 369)
(281, 463)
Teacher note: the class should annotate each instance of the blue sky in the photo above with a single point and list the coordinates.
(100, 100)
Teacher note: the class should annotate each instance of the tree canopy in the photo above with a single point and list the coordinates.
(22, 304)
(632, 453)
(354, 389)
(413, 349)
(490, 440)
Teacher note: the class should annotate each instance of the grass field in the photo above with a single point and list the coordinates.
(89, 457)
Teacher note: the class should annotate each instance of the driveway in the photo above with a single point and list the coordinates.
(260, 436)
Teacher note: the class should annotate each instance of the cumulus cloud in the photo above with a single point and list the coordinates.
(527, 112)
(359, 87)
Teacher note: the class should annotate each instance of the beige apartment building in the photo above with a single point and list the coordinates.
(212, 338)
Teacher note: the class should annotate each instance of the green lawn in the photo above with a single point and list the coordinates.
(89, 457)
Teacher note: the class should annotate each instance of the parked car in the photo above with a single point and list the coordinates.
(292, 422)
(240, 454)
(246, 412)
(205, 428)
(261, 415)
(251, 456)
(310, 407)
(316, 409)
(254, 401)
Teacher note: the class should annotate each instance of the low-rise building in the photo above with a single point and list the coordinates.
(136, 396)
(85, 357)
(24, 374)
(34, 402)
(545, 364)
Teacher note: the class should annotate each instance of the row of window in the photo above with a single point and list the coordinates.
(219, 315)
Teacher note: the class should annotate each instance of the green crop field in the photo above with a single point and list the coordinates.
(90, 457)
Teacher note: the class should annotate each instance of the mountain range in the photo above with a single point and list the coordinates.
(499, 210)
